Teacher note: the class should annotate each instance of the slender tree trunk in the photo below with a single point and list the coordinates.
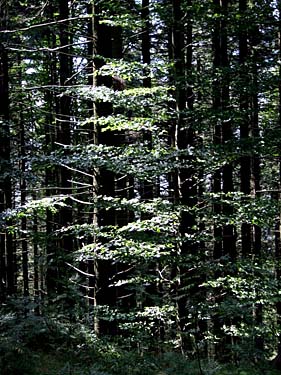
(64, 116)
(146, 43)
(146, 189)
(51, 273)
(7, 256)
(36, 267)
(108, 45)
(277, 360)
(184, 138)
(92, 265)
(60, 71)
(225, 236)
(244, 106)
(256, 175)
(106, 295)
(245, 161)
(249, 130)
(223, 134)
(177, 41)
(229, 231)
(24, 242)
(217, 140)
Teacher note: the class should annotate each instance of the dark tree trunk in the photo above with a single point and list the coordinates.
(245, 161)
(229, 232)
(217, 140)
(36, 265)
(64, 218)
(184, 138)
(23, 186)
(108, 45)
(277, 362)
(64, 117)
(223, 134)
(177, 40)
(256, 172)
(146, 43)
(60, 71)
(224, 236)
(7, 256)
(92, 267)
(51, 274)
(147, 189)
(106, 295)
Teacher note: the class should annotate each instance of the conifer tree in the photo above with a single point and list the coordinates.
(7, 256)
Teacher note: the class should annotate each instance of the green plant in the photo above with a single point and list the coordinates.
(16, 359)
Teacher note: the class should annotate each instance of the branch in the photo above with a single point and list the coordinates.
(45, 24)
(74, 169)
(45, 49)
(80, 271)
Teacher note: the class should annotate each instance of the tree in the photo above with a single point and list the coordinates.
(7, 256)
(140, 160)
(277, 197)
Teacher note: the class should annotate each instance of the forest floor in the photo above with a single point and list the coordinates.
(131, 363)
(40, 345)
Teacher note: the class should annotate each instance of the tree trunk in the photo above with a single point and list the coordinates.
(23, 186)
(256, 175)
(245, 161)
(229, 231)
(277, 362)
(184, 138)
(51, 274)
(108, 45)
(64, 115)
(224, 236)
(7, 256)
(217, 140)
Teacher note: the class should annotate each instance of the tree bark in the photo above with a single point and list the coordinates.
(184, 138)
(108, 45)
(225, 235)
(23, 187)
(51, 274)
(254, 39)
(245, 161)
(277, 362)
(7, 251)
(64, 117)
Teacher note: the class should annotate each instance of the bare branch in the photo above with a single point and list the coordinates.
(45, 24)
(80, 271)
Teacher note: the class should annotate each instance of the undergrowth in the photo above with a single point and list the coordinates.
(37, 345)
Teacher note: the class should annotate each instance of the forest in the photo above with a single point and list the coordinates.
(140, 187)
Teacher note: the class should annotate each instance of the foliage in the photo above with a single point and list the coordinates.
(50, 346)
(140, 221)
